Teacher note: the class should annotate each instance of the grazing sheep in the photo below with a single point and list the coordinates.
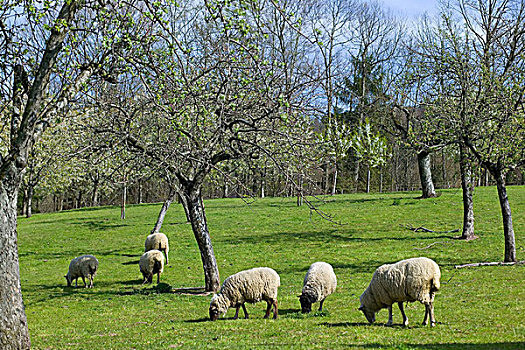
(251, 286)
(151, 262)
(158, 241)
(407, 280)
(319, 282)
(82, 266)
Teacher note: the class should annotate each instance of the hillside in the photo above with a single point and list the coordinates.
(477, 308)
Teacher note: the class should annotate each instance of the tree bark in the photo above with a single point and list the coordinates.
(14, 332)
(193, 204)
(368, 179)
(425, 175)
(29, 200)
(94, 196)
(163, 211)
(467, 185)
(508, 229)
(334, 185)
(123, 201)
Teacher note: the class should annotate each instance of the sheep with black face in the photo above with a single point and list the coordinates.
(320, 281)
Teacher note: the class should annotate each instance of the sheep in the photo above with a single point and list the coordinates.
(158, 241)
(319, 282)
(82, 266)
(251, 286)
(407, 280)
(151, 262)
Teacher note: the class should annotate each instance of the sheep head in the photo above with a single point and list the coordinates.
(369, 314)
(306, 303)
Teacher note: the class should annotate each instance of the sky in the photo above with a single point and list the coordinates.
(412, 8)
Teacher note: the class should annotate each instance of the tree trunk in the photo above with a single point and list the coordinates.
(380, 179)
(300, 190)
(123, 201)
(508, 229)
(29, 200)
(139, 200)
(444, 169)
(425, 175)
(334, 185)
(467, 185)
(14, 333)
(192, 201)
(368, 179)
(24, 202)
(94, 196)
(163, 211)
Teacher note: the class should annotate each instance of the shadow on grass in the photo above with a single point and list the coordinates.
(70, 254)
(132, 262)
(199, 320)
(351, 324)
(446, 346)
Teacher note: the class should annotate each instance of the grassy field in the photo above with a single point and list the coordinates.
(477, 308)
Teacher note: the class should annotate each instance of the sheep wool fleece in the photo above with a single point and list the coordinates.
(83, 266)
(320, 281)
(250, 286)
(148, 260)
(407, 280)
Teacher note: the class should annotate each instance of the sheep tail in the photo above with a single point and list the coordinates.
(434, 285)
(156, 266)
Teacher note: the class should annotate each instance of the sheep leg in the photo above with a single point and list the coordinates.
(405, 318)
(432, 318)
(321, 305)
(158, 277)
(275, 311)
(390, 319)
(244, 309)
(84, 280)
(268, 308)
(236, 312)
(427, 312)
(166, 253)
(76, 282)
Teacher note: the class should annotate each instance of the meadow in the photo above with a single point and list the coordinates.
(476, 308)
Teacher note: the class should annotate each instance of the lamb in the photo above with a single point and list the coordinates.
(319, 282)
(151, 262)
(407, 280)
(158, 241)
(251, 286)
(82, 266)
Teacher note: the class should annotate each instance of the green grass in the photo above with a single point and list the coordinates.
(477, 308)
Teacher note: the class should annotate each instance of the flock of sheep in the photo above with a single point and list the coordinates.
(409, 280)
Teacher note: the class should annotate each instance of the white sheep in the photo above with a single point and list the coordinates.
(319, 282)
(407, 280)
(251, 286)
(158, 241)
(82, 266)
(151, 262)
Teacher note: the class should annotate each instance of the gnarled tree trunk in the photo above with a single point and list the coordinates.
(194, 207)
(425, 175)
(14, 332)
(508, 229)
(467, 185)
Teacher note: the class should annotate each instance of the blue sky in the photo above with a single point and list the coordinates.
(412, 8)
